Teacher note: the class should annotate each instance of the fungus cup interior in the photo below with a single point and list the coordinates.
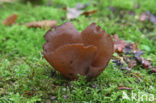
(71, 52)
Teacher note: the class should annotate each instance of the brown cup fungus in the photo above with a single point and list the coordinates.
(71, 52)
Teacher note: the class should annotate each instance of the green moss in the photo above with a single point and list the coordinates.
(25, 74)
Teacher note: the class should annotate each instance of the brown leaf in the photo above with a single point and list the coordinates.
(29, 93)
(137, 75)
(10, 20)
(71, 52)
(124, 88)
(119, 45)
(146, 63)
(88, 13)
(42, 24)
(132, 48)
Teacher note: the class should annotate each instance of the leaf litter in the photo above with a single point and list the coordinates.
(43, 23)
(121, 47)
(128, 56)
(10, 20)
(124, 88)
(73, 13)
(148, 16)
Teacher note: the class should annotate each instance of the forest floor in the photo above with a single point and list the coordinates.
(26, 77)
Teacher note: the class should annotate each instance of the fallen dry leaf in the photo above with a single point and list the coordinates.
(119, 45)
(10, 20)
(73, 13)
(137, 75)
(147, 64)
(88, 13)
(42, 24)
(71, 52)
(29, 93)
(124, 88)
